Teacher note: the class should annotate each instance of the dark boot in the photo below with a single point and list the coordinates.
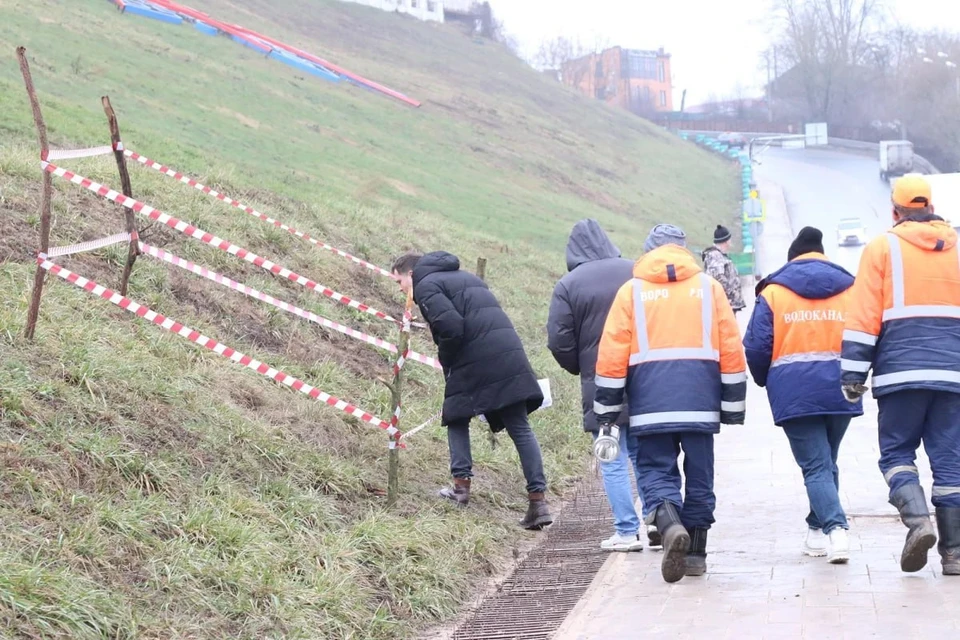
(676, 542)
(696, 561)
(911, 502)
(459, 492)
(948, 525)
(538, 513)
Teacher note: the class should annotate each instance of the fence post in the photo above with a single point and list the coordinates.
(482, 268)
(396, 388)
(482, 274)
(33, 313)
(127, 191)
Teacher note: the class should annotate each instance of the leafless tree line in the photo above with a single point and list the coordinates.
(850, 64)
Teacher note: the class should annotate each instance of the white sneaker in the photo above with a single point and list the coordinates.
(838, 546)
(815, 544)
(617, 542)
(654, 539)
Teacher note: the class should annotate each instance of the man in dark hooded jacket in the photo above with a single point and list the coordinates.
(486, 369)
(578, 312)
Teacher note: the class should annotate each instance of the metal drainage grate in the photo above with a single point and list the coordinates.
(534, 601)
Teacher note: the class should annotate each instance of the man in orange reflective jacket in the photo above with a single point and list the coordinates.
(793, 349)
(671, 341)
(904, 324)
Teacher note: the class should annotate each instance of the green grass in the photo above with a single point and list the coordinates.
(151, 489)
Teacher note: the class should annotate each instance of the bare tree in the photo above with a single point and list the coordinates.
(555, 52)
(825, 42)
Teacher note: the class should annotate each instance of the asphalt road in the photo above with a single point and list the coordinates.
(822, 186)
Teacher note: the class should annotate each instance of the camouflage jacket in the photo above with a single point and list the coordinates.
(721, 268)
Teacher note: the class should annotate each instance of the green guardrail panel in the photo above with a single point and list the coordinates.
(743, 262)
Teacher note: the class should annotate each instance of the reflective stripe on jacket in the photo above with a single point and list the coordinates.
(671, 340)
(794, 337)
(904, 320)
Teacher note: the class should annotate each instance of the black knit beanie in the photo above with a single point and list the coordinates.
(721, 234)
(809, 240)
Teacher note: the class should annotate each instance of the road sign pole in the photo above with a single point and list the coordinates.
(756, 229)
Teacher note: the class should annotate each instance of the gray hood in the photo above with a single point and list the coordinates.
(587, 243)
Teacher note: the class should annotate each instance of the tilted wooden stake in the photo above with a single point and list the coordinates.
(396, 387)
(482, 274)
(33, 313)
(127, 191)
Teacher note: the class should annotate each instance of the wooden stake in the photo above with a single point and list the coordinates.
(396, 388)
(33, 313)
(482, 268)
(134, 250)
(482, 274)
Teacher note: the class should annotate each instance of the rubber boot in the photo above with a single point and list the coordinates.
(911, 502)
(538, 513)
(459, 492)
(948, 525)
(696, 560)
(676, 542)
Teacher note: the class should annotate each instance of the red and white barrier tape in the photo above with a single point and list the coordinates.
(91, 245)
(420, 428)
(395, 420)
(167, 171)
(213, 276)
(90, 152)
(211, 344)
(208, 238)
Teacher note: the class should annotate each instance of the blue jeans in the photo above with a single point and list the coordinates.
(659, 480)
(815, 442)
(908, 418)
(616, 484)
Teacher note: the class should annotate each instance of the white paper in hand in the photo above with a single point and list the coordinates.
(547, 397)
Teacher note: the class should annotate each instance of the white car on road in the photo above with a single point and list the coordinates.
(851, 232)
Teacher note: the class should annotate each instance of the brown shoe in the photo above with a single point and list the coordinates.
(538, 513)
(459, 492)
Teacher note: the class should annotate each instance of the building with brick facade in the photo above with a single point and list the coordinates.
(633, 79)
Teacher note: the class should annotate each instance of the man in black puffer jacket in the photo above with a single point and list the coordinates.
(486, 369)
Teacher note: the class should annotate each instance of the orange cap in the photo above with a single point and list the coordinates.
(911, 192)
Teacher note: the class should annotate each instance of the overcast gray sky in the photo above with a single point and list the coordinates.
(714, 44)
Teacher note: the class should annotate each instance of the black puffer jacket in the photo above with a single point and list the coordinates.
(482, 356)
(578, 310)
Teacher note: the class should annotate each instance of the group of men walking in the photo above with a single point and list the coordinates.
(662, 366)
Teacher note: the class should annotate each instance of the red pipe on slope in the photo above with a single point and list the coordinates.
(242, 32)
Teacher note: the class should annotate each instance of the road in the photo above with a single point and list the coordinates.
(758, 584)
(821, 187)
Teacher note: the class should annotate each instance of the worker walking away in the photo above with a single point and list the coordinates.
(720, 267)
(486, 370)
(671, 344)
(793, 349)
(581, 300)
(904, 324)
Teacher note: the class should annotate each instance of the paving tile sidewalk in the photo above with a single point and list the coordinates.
(759, 585)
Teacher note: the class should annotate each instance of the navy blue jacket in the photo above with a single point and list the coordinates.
(804, 382)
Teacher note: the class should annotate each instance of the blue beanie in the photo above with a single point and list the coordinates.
(665, 234)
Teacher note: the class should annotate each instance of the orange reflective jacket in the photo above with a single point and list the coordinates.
(904, 319)
(672, 340)
(793, 340)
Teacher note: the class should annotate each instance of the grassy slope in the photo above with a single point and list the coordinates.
(149, 489)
